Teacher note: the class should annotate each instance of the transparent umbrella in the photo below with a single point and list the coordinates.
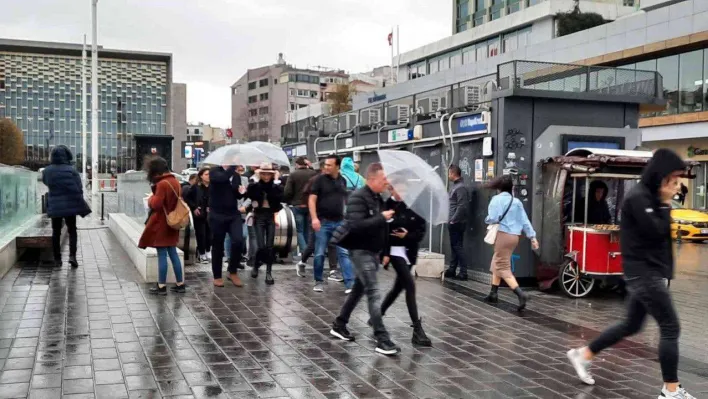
(418, 184)
(274, 153)
(244, 154)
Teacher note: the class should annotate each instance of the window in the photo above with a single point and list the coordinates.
(468, 55)
(433, 66)
(481, 51)
(263, 83)
(705, 80)
(455, 59)
(263, 111)
(292, 92)
(292, 107)
(668, 68)
(523, 37)
(264, 96)
(302, 93)
(313, 94)
(511, 42)
(252, 99)
(494, 45)
(251, 85)
(691, 82)
(275, 82)
(251, 126)
(253, 112)
(301, 106)
(263, 125)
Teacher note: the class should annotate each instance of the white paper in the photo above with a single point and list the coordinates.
(146, 201)
(401, 253)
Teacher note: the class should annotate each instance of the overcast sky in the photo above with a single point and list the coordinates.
(213, 42)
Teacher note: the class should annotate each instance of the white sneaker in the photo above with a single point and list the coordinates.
(679, 394)
(348, 291)
(208, 256)
(319, 287)
(581, 366)
(301, 269)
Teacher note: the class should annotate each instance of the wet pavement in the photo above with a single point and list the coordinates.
(94, 332)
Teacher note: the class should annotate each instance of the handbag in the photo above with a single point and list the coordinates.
(179, 217)
(86, 211)
(492, 230)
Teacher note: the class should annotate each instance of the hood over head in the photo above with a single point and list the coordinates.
(61, 155)
(594, 185)
(662, 164)
(348, 165)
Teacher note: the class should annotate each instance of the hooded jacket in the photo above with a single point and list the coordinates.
(645, 228)
(407, 219)
(354, 180)
(598, 211)
(66, 194)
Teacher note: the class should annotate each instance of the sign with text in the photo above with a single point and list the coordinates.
(472, 124)
(398, 135)
(192, 149)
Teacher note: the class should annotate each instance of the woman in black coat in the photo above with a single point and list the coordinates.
(407, 229)
(65, 200)
(266, 201)
(197, 197)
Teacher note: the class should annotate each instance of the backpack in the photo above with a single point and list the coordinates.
(179, 217)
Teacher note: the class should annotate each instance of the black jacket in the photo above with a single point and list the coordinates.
(223, 190)
(197, 197)
(368, 229)
(645, 228)
(409, 220)
(259, 190)
(66, 195)
(598, 211)
(295, 186)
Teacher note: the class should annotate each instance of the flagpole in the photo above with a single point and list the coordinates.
(390, 44)
(84, 154)
(94, 103)
(398, 52)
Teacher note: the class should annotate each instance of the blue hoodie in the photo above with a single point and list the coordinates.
(354, 180)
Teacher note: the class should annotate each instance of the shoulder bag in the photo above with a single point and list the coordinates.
(179, 217)
(492, 230)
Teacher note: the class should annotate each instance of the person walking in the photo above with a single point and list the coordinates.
(157, 234)
(224, 192)
(243, 205)
(65, 200)
(197, 197)
(294, 196)
(509, 213)
(647, 259)
(459, 204)
(266, 200)
(326, 204)
(366, 222)
(407, 229)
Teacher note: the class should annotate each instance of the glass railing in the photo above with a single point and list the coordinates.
(18, 193)
(132, 189)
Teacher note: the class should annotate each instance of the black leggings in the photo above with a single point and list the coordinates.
(203, 233)
(57, 224)
(264, 226)
(404, 281)
(648, 295)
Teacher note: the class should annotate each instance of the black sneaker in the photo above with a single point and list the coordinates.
(156, 290)
(269, 279)
(254, 272)
(387, 348)
(462, 277)
(493, 297)
(73, 262)
(341, 332)
(180, 289)
(449, 273)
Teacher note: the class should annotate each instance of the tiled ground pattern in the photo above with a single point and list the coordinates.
(94, 332)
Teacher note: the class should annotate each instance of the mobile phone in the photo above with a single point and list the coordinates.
(398, 230)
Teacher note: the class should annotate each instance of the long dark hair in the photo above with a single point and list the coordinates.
(154, 167)
(502, 183)
(200, 174)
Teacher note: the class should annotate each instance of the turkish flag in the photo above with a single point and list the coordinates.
(390, 39)
(229, 133)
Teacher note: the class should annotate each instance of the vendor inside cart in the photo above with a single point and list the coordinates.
(598, 209)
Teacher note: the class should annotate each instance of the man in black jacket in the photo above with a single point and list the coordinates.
(294, 188)
(459, 204)
(367, 237)
(224, 217)
(647, 258)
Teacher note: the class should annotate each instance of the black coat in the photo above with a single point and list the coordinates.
(197, 197)
(407, 219)
(368, 229)
(66, 194)
(259, 190)
(224, 190)
(645, 228)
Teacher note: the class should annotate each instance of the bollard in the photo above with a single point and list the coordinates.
(187, 234)
(44, 203)
(102, 207)
(678, 235)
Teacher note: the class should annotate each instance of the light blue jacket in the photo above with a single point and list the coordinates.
(515, 222)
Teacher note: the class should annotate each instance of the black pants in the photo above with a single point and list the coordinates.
(57, 224)
(648, 295)
(457, 258)
(366, 264)
(264, 228)
(220, 225)
(310, 250)
(203, 232)
(404, 281)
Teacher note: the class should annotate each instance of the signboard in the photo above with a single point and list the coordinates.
(289, 152)
(478, 170)
(376, 98)
(399, 135)
(696, 151)
(301, 150)
(191, 148)
(472, 124)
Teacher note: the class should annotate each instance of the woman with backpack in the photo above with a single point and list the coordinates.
(158, 234)
(354, 180)
(509, 217)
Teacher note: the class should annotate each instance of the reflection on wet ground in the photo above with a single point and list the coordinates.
(94, 332)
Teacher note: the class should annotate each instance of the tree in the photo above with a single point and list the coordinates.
(12, 144)
(576, 20)
(341, 98)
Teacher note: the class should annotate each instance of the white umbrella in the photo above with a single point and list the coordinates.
(272, 151)
(244, 154)
(419, 186)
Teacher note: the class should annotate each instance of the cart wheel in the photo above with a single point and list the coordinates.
(574, 283)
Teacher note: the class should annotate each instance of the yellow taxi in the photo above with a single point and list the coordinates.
(691, 224)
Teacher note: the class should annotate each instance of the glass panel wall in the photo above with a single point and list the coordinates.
(691, 82)
(668, 68)
(18, 198)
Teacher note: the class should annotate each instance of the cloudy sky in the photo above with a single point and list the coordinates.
(214, 41)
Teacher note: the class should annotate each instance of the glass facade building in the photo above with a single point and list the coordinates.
(40, 90)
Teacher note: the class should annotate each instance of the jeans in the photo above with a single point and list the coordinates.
(303, 225)
(203, 234)
(162, 254)
(220, 226)
(648, 295)
(457, 258)
(264, 226)
(57, 224)
(366, 264)
(322, 238)
(404, 281)
(227, 242)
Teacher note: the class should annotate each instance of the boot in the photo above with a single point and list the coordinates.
(493, 296)
(522, 298)
(269, 277)
(419, 337)
(450, 273)
(73, 262)
(254, 272)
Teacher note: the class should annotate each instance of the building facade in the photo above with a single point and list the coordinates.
(40, 90)
(179, 121)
